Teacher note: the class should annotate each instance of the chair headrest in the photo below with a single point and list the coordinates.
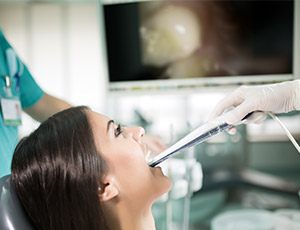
(12, 215)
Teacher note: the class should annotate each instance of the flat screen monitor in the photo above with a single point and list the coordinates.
(170, 44)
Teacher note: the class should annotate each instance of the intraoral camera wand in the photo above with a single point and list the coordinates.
(197, 136)
(193, 138)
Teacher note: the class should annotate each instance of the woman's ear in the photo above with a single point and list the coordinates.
(109, 189)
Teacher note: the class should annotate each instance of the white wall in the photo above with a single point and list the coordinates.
(61, 45)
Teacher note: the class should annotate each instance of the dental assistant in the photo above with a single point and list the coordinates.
(19, 91)
(276, 98)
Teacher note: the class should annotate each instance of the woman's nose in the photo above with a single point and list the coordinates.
(136, 132)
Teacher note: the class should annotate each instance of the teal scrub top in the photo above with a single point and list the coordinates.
(28, 93)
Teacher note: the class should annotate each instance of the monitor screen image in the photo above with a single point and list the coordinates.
(184, 40)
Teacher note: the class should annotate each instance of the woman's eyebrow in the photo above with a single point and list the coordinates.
(109, 123)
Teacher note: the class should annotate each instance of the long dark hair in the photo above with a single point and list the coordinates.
(56, 172)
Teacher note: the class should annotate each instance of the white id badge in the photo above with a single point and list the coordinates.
(11, 111)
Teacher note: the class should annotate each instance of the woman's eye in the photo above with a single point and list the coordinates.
(118, 130)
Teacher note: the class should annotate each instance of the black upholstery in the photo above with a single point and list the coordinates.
(12, 215)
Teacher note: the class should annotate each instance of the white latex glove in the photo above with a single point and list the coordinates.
(277, 98)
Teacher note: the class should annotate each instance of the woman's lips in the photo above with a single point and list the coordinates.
(148, 157)
(158, 170)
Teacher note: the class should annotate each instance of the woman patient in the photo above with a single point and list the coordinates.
(79, 170)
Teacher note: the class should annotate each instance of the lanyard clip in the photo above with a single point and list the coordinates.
(15, 66)
(7, 81)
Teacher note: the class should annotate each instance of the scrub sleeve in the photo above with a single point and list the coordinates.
(29, 93)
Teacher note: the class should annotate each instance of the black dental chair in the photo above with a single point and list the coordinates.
(12, 215)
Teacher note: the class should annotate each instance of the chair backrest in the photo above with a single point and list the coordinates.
(12, 215)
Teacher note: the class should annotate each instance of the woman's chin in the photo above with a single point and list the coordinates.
(163, 183)
(165, 187)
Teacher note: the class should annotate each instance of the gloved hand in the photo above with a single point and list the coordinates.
(277, 98)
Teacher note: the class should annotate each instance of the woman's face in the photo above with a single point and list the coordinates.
(125, 154)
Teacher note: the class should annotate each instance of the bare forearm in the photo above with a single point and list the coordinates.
(47, 106)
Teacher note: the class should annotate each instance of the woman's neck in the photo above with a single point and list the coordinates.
(132, 220)
(124, 217)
